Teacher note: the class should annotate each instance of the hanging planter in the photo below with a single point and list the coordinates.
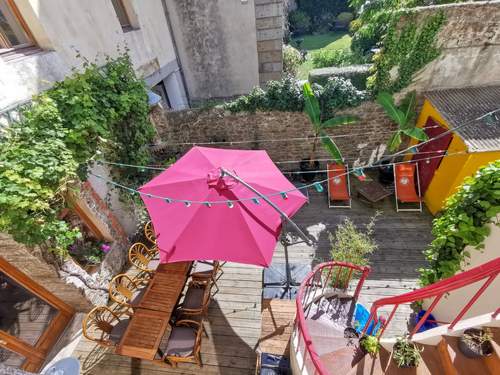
(476, 343)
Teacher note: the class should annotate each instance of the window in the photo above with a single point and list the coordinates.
(121, 13)
(13, 31)
(160, 90)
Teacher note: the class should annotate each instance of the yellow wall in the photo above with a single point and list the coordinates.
(453, 168)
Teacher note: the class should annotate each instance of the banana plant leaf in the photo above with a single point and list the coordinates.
(387, 102)
(416, 133)
(331, 148)
(394, 141)
(339, 120)
(312, 105)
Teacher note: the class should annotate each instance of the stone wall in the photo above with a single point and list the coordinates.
(470, 42)
(360, 143)
(269, 21)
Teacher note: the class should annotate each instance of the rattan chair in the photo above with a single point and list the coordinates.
(125, 291)
(143, 258)
(103, 326)
(149, 232)
(184, 343)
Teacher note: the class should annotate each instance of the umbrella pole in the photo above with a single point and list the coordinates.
(268, 201)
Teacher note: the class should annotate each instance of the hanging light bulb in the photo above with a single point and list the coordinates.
(318, 187)
(208, 204)
(230, 204)
(148, 195)
(168, 200)
(256, 200)
(187, 203)
(284, 195)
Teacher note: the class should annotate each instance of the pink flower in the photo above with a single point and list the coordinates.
(105, 247)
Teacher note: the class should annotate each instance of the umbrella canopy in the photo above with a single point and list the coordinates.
(243, 231)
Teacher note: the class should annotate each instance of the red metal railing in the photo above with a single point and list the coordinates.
(334, 276)
(487, 271)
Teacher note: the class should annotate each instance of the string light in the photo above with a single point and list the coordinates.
(256, 201)
(318, 187)
(230, 204)
(284, 195)
(187, 203)
(208, 204)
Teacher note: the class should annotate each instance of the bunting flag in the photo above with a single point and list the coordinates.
(360, 174)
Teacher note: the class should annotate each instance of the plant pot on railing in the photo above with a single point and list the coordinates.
(476, 343)
(405, 353)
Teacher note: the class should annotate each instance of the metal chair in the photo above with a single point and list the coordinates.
(149, 232)
(196, 300)
(184, 343)
(204, 272)
(125, 291)
(103, 326)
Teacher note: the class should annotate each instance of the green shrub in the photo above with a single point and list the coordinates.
(357, 74)
(343, 19)
(292, 59)
(339, 93)
(299, 22)
(463, 223)
(324, 58)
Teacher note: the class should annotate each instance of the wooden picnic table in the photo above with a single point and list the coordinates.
(153, 311)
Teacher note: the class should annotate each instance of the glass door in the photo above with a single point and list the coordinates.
(31, 319)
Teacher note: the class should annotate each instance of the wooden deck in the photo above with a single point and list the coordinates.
(237, 325)
(401, 238)
(233, 327)
(278, 317)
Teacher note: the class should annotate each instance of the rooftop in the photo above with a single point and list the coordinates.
(461, 108)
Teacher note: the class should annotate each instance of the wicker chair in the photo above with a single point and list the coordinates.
(149, 232)
(196, 300)
(125, 291)
(184, 343)
(104, 326)
(143, 258)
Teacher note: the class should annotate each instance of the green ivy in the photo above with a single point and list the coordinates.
(463, 223)
(405, 51)
(100, 110)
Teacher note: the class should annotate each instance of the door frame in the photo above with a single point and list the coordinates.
(37, 354)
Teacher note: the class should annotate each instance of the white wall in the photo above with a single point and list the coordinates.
(448, 308)
(91, 27)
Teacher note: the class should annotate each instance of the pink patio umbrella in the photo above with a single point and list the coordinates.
(216, 204)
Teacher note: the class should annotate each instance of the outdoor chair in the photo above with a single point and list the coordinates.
(404, 183)
(184, 343)
(125, 291)
(205, 272)
(104, 326)
(196, 300)
(149, 232)
(144, 259)
(339, 186)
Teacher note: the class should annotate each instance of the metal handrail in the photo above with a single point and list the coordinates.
(302, 297)
(488, 271)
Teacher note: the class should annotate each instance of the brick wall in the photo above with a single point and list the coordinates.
(361, 142)
(269, 21)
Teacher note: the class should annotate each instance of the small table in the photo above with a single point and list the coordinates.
(143, 335)
(372, 191)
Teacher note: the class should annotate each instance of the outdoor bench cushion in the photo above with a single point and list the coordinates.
(202, 269)
(194, 298)
(181, 342)
(153, 264)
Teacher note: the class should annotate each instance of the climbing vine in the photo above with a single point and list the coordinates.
(99, 110)
(463, 223)
(405, 51)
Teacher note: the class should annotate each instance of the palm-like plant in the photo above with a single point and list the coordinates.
(404, 116)
(313, 110)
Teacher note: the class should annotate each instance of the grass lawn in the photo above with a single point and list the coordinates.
(331, 40)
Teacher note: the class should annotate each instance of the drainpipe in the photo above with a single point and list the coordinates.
(176, 50)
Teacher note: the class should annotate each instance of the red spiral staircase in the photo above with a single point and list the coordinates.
(325, 305)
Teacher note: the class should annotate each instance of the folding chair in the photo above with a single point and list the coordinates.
(339, 185)
(404, 184)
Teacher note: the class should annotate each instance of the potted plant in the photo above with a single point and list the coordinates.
(370, 345)
(404, 117)
(312, 108)
(476, 343)
(406, 353)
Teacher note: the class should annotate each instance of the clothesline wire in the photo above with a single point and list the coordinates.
(230, 203)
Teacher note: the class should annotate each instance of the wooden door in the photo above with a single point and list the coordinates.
(31, 319)
(429, 155)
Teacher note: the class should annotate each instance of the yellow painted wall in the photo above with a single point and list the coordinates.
(453, 168)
